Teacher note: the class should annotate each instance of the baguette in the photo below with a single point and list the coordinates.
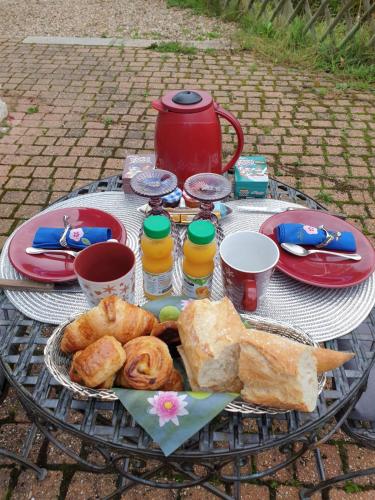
(278, 377)
(327, 359)
(220, 354)
(210, 333)
(233, 386)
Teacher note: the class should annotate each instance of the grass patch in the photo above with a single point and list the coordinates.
(289, 45)
(32, 110)
(351, 487)
(108, 122)
(4, 128)
(205, 7)
(323, 91)
(274, 485)
(175, 47)
(212, 35)
(354, 64)
(324, 197)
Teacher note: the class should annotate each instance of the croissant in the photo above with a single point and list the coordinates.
(113, 317)
(148, 364)
(108, 383)
(97, 364)
(73, 374)
(174, 383)
(74, 377)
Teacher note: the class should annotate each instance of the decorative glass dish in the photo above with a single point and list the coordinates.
(207, 188)
(154, 184)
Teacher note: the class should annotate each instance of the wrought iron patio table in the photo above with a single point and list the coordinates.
(114, 442)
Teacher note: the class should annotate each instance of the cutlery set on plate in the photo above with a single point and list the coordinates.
(52, 269)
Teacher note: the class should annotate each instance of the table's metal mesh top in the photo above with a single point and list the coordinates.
(322, 313)
(22, 346)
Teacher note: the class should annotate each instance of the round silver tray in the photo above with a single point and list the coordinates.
(58, 363)
(323, 313)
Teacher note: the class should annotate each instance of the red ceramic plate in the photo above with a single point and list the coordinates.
(319, 269)
(56, 268)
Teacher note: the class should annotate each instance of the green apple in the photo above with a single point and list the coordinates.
(169, 313)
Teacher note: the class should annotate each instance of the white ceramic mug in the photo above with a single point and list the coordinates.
(248, 260)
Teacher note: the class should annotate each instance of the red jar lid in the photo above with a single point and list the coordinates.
(187, 101)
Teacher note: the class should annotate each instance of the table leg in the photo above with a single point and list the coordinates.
(236, 484)
(39, 471)
(308, 492)
(267, 472)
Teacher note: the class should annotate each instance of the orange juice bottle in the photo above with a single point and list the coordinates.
(198, 263)
(157, 257)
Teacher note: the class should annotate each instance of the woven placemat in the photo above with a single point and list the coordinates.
(321, 312)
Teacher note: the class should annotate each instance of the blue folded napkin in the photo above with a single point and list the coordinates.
(173, 197)
(303, 234)
(77, 238)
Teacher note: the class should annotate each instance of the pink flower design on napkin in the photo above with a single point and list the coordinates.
(310, 229)
(168, 406)
(76, 234)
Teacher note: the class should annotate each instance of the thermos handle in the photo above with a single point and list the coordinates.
(237, 126)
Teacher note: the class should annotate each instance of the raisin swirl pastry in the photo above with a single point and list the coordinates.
(148, 364)
(174, 383)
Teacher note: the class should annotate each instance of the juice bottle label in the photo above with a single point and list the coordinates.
(197, 288)
(157, 284)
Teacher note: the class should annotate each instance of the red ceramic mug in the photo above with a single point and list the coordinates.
(248, 260)
(104, 269)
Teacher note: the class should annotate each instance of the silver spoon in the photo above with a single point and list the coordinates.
(72, 253)
(303, 252)
(38, 251)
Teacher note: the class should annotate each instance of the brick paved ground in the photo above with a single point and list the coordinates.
(76, 112)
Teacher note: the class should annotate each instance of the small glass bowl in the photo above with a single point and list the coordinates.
(207, 188)
(154, 184)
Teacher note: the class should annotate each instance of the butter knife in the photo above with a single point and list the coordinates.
(279, 210)
(35, 286)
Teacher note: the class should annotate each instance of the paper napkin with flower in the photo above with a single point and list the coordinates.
(171, 418)
(304, 234)
(76, 238)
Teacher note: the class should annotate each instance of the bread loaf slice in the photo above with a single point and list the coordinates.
(327, 359)
(233, 386)
(210, 333)
(276, 376)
